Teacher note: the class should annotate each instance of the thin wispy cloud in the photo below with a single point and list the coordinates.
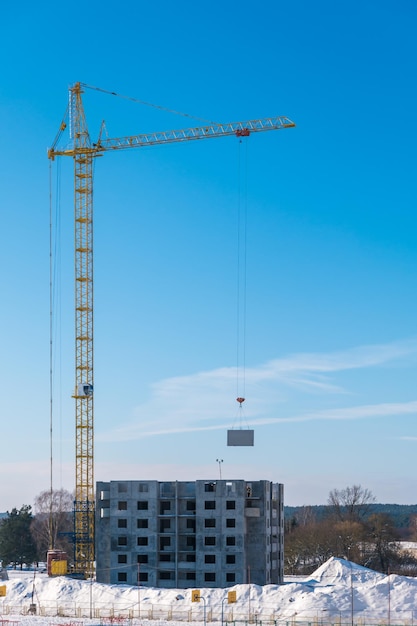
(354, 358)
(351, 413)
(407, 438)
(203, 401)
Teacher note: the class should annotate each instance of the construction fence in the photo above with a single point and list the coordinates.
(162, 615)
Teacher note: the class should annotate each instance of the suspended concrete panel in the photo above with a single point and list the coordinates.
(240, 437)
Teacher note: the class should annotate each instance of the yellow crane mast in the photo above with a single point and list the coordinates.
(83, 151)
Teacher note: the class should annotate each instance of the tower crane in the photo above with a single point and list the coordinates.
(83, 151)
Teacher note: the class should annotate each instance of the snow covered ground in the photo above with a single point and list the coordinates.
(337, 592)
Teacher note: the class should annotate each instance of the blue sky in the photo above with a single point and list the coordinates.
(331, 335)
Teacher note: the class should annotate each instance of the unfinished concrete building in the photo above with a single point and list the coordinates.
(189, 534)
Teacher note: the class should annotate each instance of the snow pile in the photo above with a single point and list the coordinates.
(338, 591)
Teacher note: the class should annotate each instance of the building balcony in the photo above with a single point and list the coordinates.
(252, 512)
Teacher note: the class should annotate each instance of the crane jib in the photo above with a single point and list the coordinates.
(239, 129)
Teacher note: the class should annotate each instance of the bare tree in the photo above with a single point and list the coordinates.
(305, 516)
(349, 537)
(52, 524)
(350, 530)
(413, 527)
(308, 546)
(350, 504)
(384, 540)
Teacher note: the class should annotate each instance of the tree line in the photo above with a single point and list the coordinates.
(348, 528)
(26, 535)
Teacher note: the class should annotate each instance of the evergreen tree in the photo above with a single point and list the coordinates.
(16, 543)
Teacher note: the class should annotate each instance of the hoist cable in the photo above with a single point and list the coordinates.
(238, 273)
(241, 277)
(245, 247)
(50, 355)
(57, 308)
(54, 259)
